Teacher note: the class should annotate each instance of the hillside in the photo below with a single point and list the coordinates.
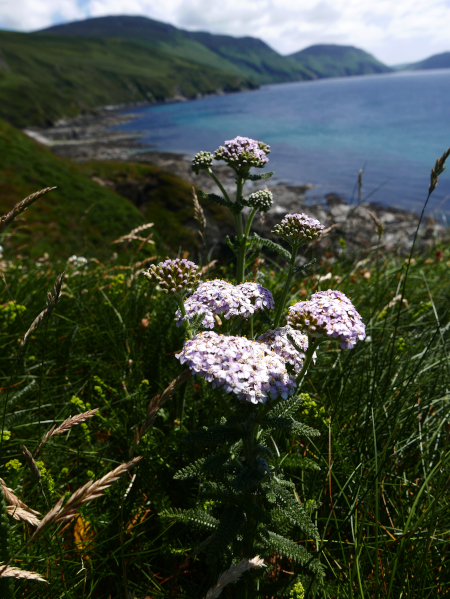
(46, 77)
(329, 60)
(84, 215)
(437, 61)
(245, 56)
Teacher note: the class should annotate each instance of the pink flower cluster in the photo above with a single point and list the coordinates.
(328, 313)
(277, 340)
(298, 229)
(221, 297)
(243, 153)
(238, 365)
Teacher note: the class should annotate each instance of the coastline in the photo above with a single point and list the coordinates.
(89, 138)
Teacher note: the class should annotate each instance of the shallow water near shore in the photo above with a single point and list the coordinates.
(322, 132)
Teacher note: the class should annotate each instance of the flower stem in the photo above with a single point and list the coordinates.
(218, 183)
(240, 268)
(187, 326)
(286, 287)
(312, 346)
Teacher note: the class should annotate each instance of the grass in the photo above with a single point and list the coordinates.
(48, 77)
(380, 500)
(81, 215)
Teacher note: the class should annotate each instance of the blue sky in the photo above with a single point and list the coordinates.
(395, 31)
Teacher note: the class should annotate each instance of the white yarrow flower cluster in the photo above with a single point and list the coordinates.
(77, 261)
(220, 297)
(277, 340)
(238, 365)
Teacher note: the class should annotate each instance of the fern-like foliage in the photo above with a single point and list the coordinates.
(213, 463)
(288, 407)
(303, 267)
(290, 510)
(197, 518)
(297, 553)
(260, 176)
(275, 247)
(248, 478)
(233, 245)
(289, 425)
(212, 197)
(231, 522)
(213, 436)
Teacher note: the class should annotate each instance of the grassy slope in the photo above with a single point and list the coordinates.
(437, 61)
(45, 77)
(245, 56)
(329, 60)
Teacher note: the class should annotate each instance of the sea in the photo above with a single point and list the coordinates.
(323, 132)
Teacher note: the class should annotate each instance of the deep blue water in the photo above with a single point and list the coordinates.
(322, 132)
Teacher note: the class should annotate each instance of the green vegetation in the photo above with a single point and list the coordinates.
(46, 77)
(382, 509)
(82, 215)
(329, 60)
(437, 61)
(246, 57)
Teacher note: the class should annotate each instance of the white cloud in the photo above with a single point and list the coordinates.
(393, 30)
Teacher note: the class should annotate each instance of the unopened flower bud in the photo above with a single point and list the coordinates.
(262, 200)
(298, 229)
(201, 162)
(174, 276)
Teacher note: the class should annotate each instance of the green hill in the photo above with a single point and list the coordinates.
(330, 60)
(46, 77)
(245, 56)
(437, 61)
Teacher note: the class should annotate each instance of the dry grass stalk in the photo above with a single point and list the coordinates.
(10, 572)
(208, 266)
(157, 402)
(360, 184)
(438, 169)
(197, 550)
(8, 218)
(52, 300)
(22, 515)
(31, 463)
(91, 490)
(233, 574)
(133, 235)
(65, 426)
(199, 215)
(392, 303)
(378, 223)
(13, 500)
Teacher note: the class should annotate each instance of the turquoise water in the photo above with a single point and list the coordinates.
(322, 132)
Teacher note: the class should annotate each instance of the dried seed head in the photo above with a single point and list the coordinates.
(174, 276)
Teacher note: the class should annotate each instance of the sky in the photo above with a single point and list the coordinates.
(395, 31)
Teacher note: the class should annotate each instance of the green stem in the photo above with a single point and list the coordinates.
(286, 287)
(312, 346)
(187, 326)
(251, 327)
(240, 268)
(218, 183)
(249, 222)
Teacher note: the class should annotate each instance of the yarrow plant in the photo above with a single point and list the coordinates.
(255, 368)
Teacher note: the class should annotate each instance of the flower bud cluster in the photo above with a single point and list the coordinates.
(298, 229)
(202, 161)
(174, 276)
(277, 340)
(241, 153)
(238, 365)
(328, 314)
(221, 297)
(262, 200)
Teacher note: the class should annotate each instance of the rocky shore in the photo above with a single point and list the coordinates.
(356, 227)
